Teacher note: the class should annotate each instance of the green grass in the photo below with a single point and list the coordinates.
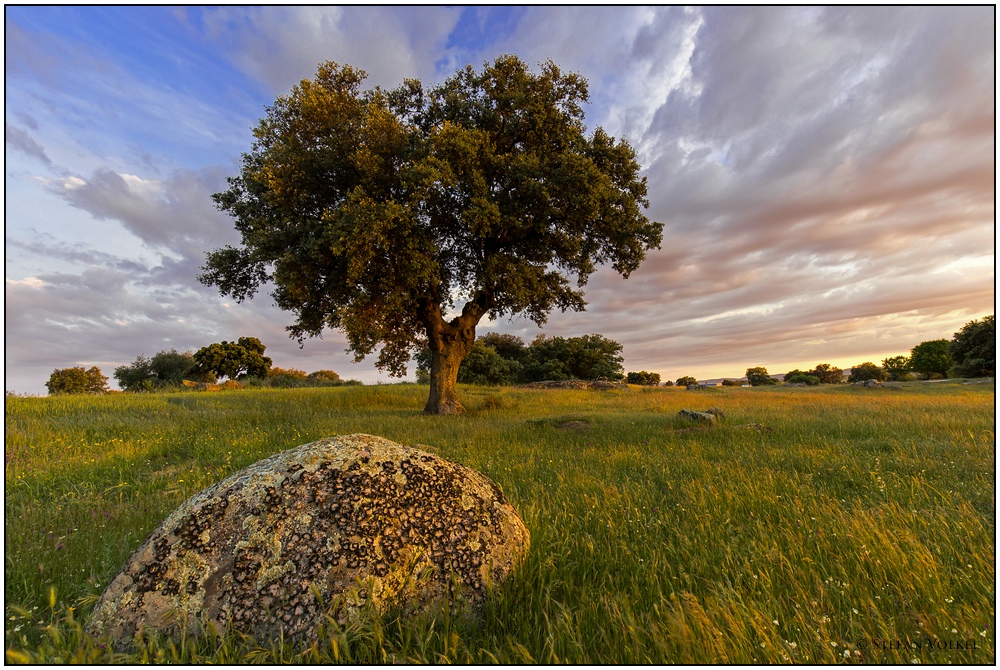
(860, 528)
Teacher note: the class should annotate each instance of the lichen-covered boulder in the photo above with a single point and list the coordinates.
(322, 529)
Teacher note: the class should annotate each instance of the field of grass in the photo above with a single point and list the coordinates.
(848, 525)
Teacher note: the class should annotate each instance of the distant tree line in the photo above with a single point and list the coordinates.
(500, 359)
(242, 361)
(970, 353)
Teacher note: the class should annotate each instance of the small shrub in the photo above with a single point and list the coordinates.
(323, 376)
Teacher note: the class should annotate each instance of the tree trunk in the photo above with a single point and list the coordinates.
(449, 343)
(443, 397)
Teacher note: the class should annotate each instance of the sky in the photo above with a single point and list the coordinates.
(825, 177)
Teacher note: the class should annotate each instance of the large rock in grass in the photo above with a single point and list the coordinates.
(329, 527)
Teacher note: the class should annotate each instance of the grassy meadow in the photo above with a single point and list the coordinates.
(811, 525)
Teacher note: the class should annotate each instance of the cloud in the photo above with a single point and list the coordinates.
(176, 214)
(282, 45)
(79, 254)
(22, 141)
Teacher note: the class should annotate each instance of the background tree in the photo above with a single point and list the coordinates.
(585, 357)
(668, 383)
(897, 368)
(759, 377)
(137, 376)
(408, 215)
(828, 374)
(687, 381)
(166, 368)
(973, 349)
(931, 359)
(643, 378)
(800, 377)
(77, 380)
(731, 382)
(245, 357)
(511, 347)
(484, 365)
(865, 371)
(172, 367)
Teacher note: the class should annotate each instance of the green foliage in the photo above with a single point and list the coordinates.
(586, 357)
(510, 347)
(497, 359)
(373, 211)
(323, 376)
(759, 377)
(245, 357)
(644, 378)
(732, 382)
(897, 368)
(865, 371)
(171, 367)
(286, 377)
(800, 377)
(138, 376)
(931, 359)
(884, 505)
(77, 380)
(485, 366)
(827, 374)
(165, 369)
(687, 381)
(973, 349)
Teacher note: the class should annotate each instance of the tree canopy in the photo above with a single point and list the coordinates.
(759, 377)
(245, 357)
(865, 371)
(405, 216)
(166, 368)
(974, 349)
(897, 368)
(643, 378)
(77, 380)
(930, 358)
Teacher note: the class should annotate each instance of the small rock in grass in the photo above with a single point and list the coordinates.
(697, 416)
(869, 383)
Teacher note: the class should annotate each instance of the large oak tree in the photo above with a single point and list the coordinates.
(403, 217)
